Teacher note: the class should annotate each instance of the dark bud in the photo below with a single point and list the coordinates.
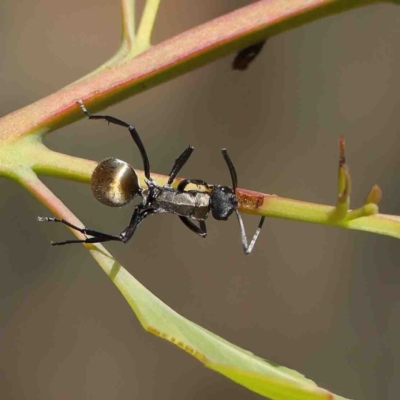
(247, 55)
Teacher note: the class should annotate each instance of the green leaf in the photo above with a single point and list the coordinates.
(237, 364)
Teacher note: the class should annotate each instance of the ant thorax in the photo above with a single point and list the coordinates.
(165, 199)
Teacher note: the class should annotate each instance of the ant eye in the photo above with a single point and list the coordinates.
(114, 182)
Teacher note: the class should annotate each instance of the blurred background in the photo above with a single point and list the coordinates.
(321, 300)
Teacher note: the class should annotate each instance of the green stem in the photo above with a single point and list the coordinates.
(128, 23)
(127, 42)
(146, 25)
(365, 218)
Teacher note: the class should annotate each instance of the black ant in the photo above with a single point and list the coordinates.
(115, 183)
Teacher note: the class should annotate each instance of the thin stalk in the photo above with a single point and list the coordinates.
(146, 25)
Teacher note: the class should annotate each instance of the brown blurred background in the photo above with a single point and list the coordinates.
(321, 300)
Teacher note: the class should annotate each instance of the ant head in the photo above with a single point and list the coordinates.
(114, 183)
(224, 202)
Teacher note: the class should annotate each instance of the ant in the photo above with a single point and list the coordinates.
(115, 184)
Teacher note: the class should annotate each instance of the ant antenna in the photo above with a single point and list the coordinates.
(232, 170)
(134, 133)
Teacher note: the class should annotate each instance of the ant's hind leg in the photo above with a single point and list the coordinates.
(98, 237)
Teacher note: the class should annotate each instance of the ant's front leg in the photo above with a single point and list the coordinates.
(248, 248)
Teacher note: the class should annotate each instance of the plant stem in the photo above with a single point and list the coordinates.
(146, 25)
(176, 56)
(128, 23)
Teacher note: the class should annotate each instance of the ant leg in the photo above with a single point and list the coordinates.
(182, 184)
(179, 163)
(97, 236)
(137, 218)
(134, 133)
(248, 248)
(201, 231)
(88, 240)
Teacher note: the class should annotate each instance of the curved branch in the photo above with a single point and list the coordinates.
(173, 57)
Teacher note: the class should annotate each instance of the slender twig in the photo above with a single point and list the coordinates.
(146, 25)
(127, 41)
(365, 218)
(128, 23)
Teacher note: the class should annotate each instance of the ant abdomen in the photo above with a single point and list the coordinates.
(114, 182)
